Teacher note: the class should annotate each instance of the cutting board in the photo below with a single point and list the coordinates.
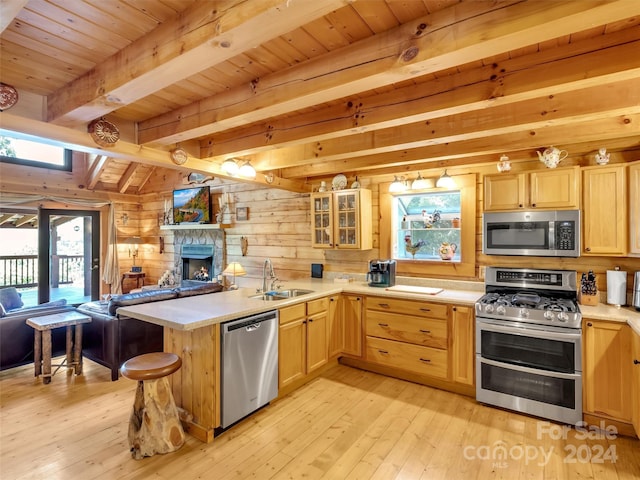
(412, 289)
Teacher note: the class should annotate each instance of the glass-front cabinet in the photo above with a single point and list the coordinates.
(342, 219)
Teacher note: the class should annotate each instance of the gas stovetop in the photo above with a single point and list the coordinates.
(543, 297)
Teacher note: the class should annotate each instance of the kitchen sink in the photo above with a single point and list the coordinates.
(281, 294)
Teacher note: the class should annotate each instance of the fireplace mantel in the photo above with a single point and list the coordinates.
(195, 226)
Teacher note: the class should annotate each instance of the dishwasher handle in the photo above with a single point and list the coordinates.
(250, 323)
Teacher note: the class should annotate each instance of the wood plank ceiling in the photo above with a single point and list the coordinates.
(306, 89)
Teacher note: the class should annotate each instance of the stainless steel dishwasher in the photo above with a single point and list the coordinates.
(249, 350)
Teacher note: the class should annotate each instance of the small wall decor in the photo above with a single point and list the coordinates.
(104, 133)
(244, 245)
(242, 213)
(8, 96)
(602, 157)
(178, 156)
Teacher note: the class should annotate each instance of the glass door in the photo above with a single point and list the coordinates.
(69, 256)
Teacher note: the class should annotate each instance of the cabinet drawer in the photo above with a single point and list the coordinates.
(428, 332)
(412, 358)
(294, 312)
(317, 306)
(408, 307)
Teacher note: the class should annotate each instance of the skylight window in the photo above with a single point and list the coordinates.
(34, 153)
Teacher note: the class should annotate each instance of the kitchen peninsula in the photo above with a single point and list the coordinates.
(192, 330)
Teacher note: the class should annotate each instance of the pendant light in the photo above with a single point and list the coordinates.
(230, 167)
(445, 181)
(398, 185)
(247, 170)
(419, 183)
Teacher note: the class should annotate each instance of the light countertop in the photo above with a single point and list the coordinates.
(199, 311)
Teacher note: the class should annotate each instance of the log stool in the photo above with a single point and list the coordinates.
(154, 426)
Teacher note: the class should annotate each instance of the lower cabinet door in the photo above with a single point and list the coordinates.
(292, 352)
(413, 358)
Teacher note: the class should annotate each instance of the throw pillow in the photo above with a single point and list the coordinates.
(10, 298)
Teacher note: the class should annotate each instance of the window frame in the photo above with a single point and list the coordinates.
(65, 167)
(467, 184)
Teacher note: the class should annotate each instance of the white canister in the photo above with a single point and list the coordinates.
(616, 287)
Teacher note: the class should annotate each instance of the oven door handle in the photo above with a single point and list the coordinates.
(534, 371)
(526, 331)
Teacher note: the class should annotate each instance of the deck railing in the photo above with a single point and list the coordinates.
(21, 271)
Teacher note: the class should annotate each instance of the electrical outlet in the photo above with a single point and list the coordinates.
(482, 269)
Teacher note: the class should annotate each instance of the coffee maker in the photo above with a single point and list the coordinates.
(382, 273)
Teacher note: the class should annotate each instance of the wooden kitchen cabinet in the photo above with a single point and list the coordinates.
(335, 324)
(342, 219)
(635, 382)
(604, 200)
(634, 209)
(463, 345)
(408, 335)
(303, 344)
(607, 370)
(352, 324)
(543, 189)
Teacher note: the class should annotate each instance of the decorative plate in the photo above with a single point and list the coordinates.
(104, 133)
(8, 96)
(339, 182)
(179, 156)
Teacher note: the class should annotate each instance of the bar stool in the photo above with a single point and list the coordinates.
(154, 426)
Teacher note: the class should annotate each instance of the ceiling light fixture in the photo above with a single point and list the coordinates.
(247, 170)
(420, 183)
(398, 185)
(445, 181)
(230, 167)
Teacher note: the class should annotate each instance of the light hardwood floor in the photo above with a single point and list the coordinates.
(347, 424)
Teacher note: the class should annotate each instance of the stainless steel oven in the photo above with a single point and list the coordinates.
(552, 233)
(529, 344)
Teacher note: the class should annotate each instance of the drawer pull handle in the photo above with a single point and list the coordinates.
(423, 309)
(636, 362)
(425, 360)
(383, 352)
(384, 305)
(425, 331)
(383, 324)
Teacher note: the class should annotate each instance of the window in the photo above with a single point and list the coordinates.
(426, 226)
(430, 221)
(34, 153)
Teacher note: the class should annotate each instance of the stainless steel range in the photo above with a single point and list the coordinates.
(529, 343)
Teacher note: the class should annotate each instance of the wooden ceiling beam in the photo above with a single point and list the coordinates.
(97, 166)
(499, 84)
(578, 106)
(615, 128)
(6, 218)
(145, 179)
(458, 35)
(22, 127)
(127, 178)
(205, 35)
(26, 219)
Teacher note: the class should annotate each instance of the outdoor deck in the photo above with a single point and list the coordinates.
(73, 294)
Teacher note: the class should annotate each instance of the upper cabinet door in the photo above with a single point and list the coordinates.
(555, 188)
(342, 220)
(605, 220)
(504, 192)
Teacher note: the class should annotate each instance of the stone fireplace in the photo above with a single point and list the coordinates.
(195, 249)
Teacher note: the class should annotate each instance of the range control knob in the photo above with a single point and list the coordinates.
(523, 312)
(501, 310)
(563, 317)
(489, 309)
(549, 315)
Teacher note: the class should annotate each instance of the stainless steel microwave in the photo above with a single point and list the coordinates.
(551, 233)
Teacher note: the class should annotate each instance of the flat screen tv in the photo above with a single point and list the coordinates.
(192, 205)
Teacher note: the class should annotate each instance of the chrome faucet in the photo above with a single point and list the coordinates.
(265, 272)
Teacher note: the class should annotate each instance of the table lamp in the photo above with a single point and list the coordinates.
(236, 270)
(133, 252)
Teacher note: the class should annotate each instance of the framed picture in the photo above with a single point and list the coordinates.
(242, 213)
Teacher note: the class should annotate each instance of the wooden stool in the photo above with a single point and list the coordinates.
(42, 327)
(154, 426)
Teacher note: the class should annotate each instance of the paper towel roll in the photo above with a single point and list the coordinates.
(616, 287)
